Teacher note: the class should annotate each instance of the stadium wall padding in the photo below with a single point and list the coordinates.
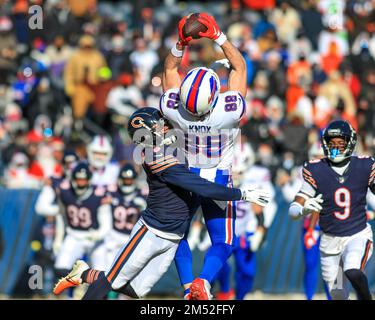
(17, 221)
(279, 262)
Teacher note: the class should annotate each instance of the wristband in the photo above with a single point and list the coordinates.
(177, 53)
(222, 38)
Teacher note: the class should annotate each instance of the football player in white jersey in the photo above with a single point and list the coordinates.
(210, 121)
(99, 154)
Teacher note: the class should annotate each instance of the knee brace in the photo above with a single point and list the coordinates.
(359, 282)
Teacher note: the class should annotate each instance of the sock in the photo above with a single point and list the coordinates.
(311, 273)
(184, 262)
(186, 292)
(360, 284)
(90, 275)
(244, 284)
(224, 277)
(214, 260)
(245, 272)
(99, 289)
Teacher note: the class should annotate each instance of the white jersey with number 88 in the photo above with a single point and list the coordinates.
(209, 141)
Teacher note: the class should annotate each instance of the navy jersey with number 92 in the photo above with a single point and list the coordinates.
(126, 211)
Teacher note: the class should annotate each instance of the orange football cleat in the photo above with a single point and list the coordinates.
(73, 279)
(200, 290)
(225, 295)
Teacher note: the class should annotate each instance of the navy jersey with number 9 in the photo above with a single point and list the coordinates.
(344, 196)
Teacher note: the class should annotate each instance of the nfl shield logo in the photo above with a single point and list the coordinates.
(341, 179)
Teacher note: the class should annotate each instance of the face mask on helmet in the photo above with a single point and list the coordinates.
(199, 91)
(126, 186)
(99, 152)
(339, 140)
(81, 179)
(126, 180)
(80, 186)
(147, 127)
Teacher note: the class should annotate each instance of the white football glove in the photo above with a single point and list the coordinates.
(258, 196)
(312, 205)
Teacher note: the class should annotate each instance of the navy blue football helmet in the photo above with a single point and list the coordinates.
(81, 178)
(339, 129)
(126, 179)
(146, 127)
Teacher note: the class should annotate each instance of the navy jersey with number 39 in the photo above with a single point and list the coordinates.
(81, 212)
(344, 196)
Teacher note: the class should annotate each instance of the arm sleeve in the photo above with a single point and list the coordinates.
(104, 219)
(46, 204)
(295, 210)
(179, 175)
(59, 233)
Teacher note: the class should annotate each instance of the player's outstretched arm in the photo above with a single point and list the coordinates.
(180, 176)
(238, 75)
(171, 78)
(46, 204)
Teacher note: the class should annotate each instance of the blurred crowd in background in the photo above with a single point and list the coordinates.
(95, 62)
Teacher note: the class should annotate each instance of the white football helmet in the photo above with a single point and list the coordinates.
(99, 151)
(199, 91)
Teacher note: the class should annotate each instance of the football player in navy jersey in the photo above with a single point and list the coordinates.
(86, 214)
(170, 205)
(47, 204)
(335, 187)
(126, 202)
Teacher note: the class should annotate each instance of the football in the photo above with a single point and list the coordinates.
(192, 26)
